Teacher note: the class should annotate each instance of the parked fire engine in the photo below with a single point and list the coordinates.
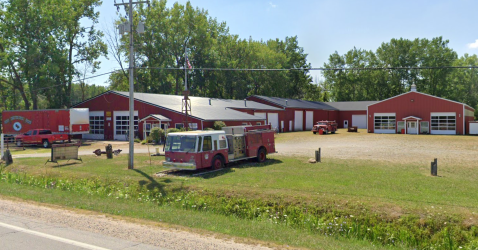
(193, 150)
(325, 127)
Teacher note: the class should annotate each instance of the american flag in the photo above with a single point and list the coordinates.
(189, 64)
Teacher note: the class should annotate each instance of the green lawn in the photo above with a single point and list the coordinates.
(376, 188)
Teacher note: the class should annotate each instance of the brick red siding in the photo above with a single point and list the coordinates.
(419, 105)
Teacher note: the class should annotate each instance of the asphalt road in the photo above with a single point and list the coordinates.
(20, 233)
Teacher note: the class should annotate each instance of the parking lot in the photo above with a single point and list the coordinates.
(451, 150)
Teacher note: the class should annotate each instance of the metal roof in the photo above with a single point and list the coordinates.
(296, 103)
(351, 106)
(220, 109)
(157, 117)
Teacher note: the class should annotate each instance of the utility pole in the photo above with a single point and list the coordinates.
(186, 102)
(131, 79)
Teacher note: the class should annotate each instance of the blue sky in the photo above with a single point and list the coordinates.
(324, 27)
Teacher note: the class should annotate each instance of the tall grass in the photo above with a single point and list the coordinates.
(435, 232)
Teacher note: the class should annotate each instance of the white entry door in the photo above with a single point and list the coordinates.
(273, 120)
(309, 120)
(412, 128)
(346, 123)
(298, 120)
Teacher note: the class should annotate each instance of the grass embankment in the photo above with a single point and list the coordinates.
(382, 203)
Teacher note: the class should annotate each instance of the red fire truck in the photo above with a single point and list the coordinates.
(324, 127)
(193, 150)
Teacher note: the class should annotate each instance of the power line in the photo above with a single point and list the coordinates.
(307, 69)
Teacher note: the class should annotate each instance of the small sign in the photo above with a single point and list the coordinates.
(108, 113)
(108, 118)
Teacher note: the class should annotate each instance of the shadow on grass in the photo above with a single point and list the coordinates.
(152, 182)
(59, 165)
(239, 165)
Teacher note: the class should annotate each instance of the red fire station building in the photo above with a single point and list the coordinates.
(418, 113)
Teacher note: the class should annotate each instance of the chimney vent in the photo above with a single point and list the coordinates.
(245, 104)
(286, 102)
(209, 101)
(413, 88)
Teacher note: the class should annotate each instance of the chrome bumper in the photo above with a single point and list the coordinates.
(177, 165)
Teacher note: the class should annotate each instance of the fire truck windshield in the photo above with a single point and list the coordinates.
(180, 143)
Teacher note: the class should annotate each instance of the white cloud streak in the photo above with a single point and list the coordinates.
(473, 45)
(273, 6)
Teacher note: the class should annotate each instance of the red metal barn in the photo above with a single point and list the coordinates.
(297, 115)
(109, 113)
(418, 113)
(352, 113)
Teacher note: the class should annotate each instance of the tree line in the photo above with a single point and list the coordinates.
(170, 31)
(423, 62)
(47, 49)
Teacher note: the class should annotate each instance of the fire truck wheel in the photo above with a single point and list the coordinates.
(19, 143)
(314, 133)
(46, 144)
(261, 155)
(217, 162)
(326, 131)
(333, 132)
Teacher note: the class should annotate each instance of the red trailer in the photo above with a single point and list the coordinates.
(58, 121)
(203, 149)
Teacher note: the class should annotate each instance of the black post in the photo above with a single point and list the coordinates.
(318, 160)
(434, 167)
(109, 152)
(8, 157)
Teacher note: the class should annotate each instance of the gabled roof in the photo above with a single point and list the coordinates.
(351, 106)
(295, 103)
(157, 117)
(421, 94)
(220, 109)
(412, 118)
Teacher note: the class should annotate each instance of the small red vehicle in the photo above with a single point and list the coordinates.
(325, 127)
(193, 150)
(39, 136)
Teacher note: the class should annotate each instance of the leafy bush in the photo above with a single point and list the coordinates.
(208, 129)
(218, 125)
(156, 135)
(173, 130)
(137, 140)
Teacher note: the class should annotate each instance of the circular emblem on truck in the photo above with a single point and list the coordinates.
(17, 126)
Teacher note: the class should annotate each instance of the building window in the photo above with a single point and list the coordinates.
(424, 129)
(97, 125)
(122, 124)
(258, 123)
(443, 123)
(193, 126)
(385, 122)
(179, 125)
(400, 126)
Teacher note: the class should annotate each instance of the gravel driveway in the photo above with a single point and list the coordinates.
(408, 149)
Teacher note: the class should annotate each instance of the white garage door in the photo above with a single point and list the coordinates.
(309, 120)
(359, 120)
(97, 126)
(261, 115)
(473, 128)
(298, 118)
(121, 123)
(273, 120)
(443, 123)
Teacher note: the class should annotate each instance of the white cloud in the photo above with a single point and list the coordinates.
(473, 45)
(273, 6)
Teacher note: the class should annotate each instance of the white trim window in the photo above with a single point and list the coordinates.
(443, 123)
(384, 123)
